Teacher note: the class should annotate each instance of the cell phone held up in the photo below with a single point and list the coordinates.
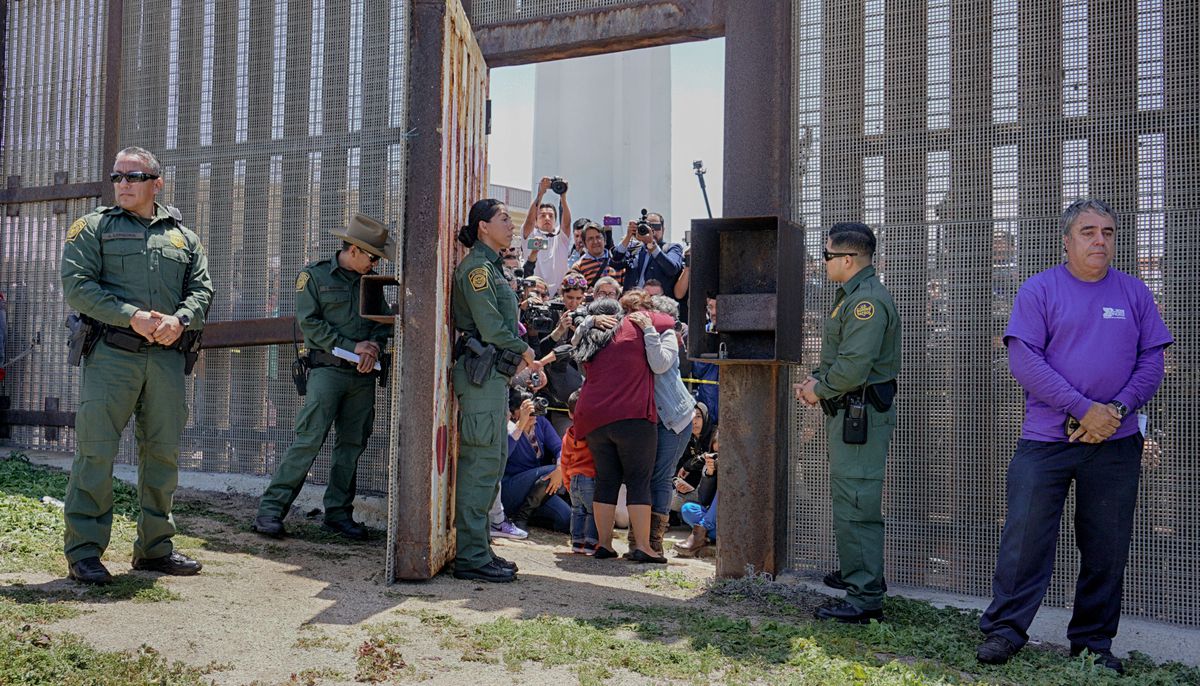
(854, 428)
(537, 243)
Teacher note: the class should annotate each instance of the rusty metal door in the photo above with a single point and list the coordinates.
(447, 172)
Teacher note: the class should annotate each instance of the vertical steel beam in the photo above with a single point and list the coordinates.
(758, 122)
(112, 95)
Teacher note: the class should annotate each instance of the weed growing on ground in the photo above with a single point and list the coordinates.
(378, 661)
(667, 578)
(33, 656)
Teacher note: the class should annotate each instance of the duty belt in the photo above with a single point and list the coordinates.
(125, 338)
(320, 358)
(880, 395)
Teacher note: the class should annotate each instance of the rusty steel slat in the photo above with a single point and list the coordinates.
(65, 191)
(603, 30)
(446, 172)
(758, 92)
(112, 97)
(247, 333)
(43, 418)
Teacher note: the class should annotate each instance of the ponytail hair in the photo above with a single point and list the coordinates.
(481, 211)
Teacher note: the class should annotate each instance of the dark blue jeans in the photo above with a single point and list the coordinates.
(583, 523)
(670, 448)
(554, 514)
(1039, 477)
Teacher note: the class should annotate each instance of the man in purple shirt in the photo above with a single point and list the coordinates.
(1086, 343)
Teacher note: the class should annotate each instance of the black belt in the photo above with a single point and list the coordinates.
(880, 395)
(320, 358)
(125, 338)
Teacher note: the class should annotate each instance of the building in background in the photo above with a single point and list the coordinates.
(604, 124)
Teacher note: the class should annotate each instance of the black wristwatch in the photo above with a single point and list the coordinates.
(1121, 408)
(185, 320)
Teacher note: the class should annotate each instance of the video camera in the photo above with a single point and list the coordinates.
(643, 224)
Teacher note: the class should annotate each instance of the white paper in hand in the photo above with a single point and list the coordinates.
(351, 357)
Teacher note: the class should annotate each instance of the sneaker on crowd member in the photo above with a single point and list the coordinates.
(507, 529)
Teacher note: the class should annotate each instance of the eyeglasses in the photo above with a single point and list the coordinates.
(373, 257)
(132, 177)
(830, 255)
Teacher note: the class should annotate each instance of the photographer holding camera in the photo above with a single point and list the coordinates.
(553, 239)
(532, 480)
(644, 255)
(701, 514)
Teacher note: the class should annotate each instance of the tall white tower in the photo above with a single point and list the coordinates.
(604, 123)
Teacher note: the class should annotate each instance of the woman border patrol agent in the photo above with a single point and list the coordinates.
(488, 352)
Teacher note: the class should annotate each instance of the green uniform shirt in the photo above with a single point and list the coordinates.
(860, 344)
(327, 309)
(483, 302)
(115, 263)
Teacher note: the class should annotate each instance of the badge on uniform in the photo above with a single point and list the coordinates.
(177, 239)
(479, 278)
(76, 229)
(864, 310)
(301, 281)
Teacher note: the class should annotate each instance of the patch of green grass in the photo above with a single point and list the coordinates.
(33, 530)
(124, 587)
(697, 643)
(667, 578)
(16, 609)
(33, 656)
(313, 637)
(313, 677)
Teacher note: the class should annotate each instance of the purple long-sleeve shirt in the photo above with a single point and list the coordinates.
(1072, 342)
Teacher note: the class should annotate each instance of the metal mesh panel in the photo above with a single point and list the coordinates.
(274, 122)
(485, 12)
(960, 130)
(52, 125)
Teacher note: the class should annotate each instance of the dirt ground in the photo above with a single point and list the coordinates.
(263, 610)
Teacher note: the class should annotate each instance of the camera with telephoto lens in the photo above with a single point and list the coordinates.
(558, 184)
(540, 405)
(539, 318)
(643, 224)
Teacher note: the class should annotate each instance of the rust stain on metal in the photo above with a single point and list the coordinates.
(601, 30)
(447, 172)
(247, 333)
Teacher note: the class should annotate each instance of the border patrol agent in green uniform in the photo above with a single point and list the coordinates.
(338, 392)
(855, 385)
(140, 280)
(488, 352)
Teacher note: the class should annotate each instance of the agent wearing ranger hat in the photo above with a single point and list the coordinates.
(339, 392)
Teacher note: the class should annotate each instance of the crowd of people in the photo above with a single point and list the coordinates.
(604, 432)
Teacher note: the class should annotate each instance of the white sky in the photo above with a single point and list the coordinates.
(697, 126)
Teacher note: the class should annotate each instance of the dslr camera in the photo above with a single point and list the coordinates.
(643, 224)
(559, 185)
(540, 405)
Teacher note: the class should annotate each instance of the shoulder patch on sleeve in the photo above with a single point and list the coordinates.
(864, 310)
(479, 278)
(302, 281)
(76, 228)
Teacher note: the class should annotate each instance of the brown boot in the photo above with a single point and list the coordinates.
(695, 541)
(659, 523)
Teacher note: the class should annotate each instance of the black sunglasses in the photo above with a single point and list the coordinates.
(132, 177)
(830, 255)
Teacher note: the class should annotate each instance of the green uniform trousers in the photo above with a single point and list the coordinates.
(115, 385)
(336, 397)
(482, 454)
(856, 487)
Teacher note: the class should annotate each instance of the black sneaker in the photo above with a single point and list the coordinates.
(175, 564)
(501, 562)
(490, 572)
(89, 570)
(846, 613)
(995, 650)
(1104, 658)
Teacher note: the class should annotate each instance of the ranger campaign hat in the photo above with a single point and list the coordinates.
(370, 235)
